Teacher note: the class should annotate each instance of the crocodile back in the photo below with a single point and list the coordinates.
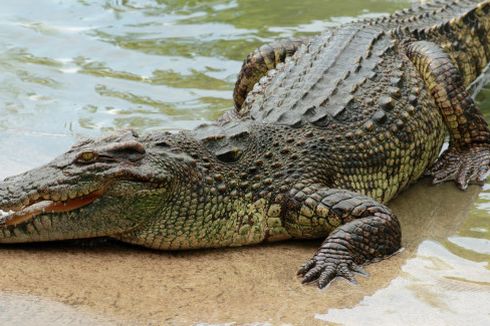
(334, 80)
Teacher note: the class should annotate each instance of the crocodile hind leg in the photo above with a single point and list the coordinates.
(468, 157)
(362, 231)
(259, 62)
(256, 66)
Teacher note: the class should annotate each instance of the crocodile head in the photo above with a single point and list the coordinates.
(98, 188)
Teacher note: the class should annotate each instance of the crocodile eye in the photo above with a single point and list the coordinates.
(87, 157)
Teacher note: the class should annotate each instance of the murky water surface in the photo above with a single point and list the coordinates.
(70, 69)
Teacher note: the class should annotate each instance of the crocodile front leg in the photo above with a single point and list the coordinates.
(363, 231)
(468, 156)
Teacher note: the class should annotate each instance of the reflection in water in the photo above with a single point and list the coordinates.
(434, 288)
(71, 69)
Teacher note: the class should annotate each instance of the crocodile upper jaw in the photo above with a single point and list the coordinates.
(19, 214)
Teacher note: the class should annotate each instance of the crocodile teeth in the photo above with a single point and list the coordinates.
(15, 218)
(5, 213)
(31, 210)
(85, 190)
(35, 196)
(72, 194)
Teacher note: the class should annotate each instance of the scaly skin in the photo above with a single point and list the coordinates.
(325, 138)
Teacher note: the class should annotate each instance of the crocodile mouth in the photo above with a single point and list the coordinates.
(18, 214)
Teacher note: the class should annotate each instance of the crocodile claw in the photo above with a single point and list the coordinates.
(466, 166)
(324, 267)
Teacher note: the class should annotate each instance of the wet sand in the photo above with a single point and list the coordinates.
(112, 283)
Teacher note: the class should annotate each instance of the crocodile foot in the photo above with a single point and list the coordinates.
(331, 260)
(465, 166)
(369, 232)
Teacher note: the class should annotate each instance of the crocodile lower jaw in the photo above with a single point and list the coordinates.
(34, 209)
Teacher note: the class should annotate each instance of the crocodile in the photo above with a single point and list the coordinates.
(325, 131)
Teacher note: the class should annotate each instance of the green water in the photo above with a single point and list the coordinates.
(72, 69)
